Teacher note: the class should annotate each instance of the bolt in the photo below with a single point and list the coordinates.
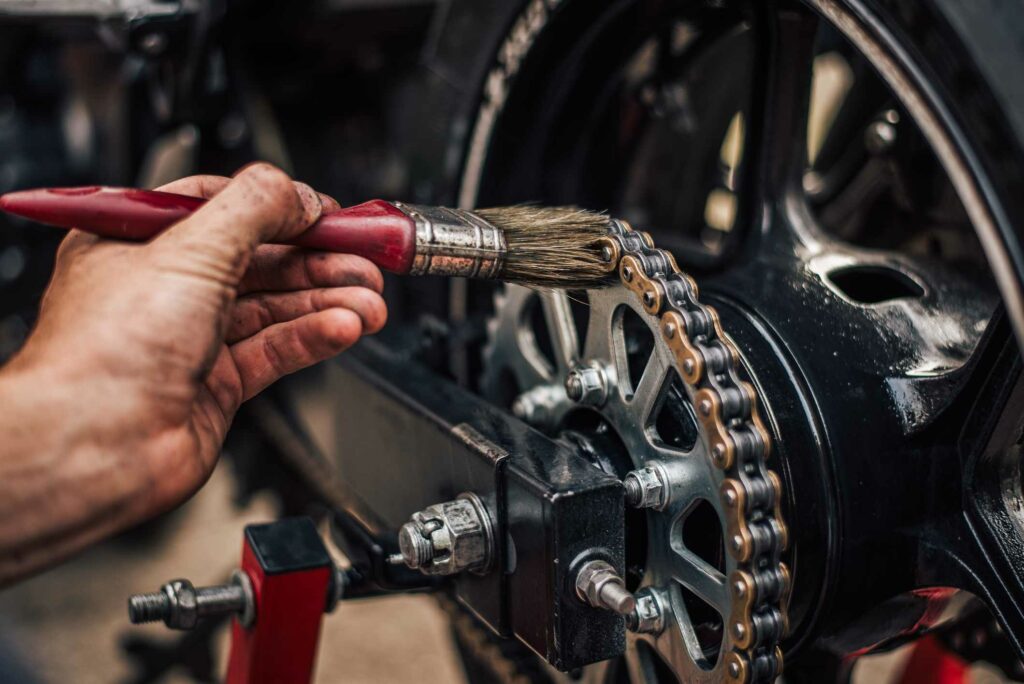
(587, 385)
(647, 487)
(880, 137)
(180, 605)
(417, 550)
(599, 585)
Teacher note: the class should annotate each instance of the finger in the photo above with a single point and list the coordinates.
(204, 186)
(259, 205)
(328, 202)
(255, 312)
(287, 347)
(276, 268)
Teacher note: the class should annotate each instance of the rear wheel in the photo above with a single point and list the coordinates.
(840, 177)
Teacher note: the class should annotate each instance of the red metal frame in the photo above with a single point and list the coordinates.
(280, 647)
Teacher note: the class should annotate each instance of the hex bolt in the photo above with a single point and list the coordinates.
(647, 487)
(598, 585)
(180, 605)
(587, 385)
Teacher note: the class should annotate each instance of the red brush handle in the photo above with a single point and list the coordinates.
(376, 230)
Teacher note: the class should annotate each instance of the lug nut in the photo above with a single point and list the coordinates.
(598, 585)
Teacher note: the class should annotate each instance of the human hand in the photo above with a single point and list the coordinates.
(143, 352)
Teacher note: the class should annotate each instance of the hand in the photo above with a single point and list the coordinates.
(144, 352)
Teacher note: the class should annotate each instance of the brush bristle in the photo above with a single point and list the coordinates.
(553, 247)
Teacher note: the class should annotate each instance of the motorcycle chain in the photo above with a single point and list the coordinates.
(727, 409)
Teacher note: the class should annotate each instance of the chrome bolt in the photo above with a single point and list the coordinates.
(587, 385)
(647, 487)
(598, 585)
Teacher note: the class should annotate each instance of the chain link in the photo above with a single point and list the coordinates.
(727, 409)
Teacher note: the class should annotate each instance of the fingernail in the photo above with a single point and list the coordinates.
(312, 206)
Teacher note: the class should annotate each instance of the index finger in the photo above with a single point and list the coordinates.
(205, 186)
(208, 185)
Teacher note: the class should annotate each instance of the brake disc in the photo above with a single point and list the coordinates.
(693, 371)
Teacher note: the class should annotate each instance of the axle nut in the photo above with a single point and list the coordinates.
(649, 615)
(447, 538)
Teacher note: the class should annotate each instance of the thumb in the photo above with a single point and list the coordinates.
(260, 204)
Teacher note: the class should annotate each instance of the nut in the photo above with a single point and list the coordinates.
(649, 615)
(587, 385)
(647, 487)
(449, 537)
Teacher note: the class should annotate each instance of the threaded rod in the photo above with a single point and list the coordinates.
(144, 608)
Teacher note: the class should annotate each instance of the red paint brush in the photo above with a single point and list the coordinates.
(539, 246)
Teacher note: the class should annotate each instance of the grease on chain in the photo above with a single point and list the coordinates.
(727, 409)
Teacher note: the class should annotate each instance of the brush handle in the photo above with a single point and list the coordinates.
(376, 230)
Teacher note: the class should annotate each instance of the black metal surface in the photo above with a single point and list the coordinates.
(287, 545)
(412, 439)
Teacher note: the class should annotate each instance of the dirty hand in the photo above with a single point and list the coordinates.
(116, 408)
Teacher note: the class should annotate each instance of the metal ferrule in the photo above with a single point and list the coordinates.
(453, 242)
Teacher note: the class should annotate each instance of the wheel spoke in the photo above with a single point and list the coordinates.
(649, 389)
(702, 579)
(776, 147)
(558, 315)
